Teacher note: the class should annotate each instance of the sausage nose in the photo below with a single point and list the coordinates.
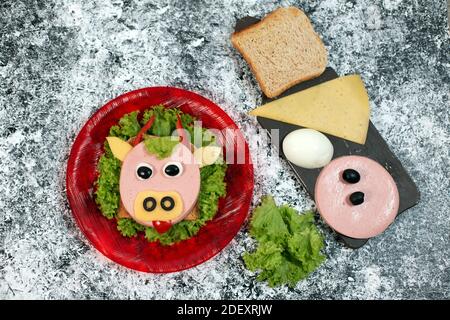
(167, 203)
(149, 204)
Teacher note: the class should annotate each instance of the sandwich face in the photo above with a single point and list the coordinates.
(155, 183)
(153, 189)
(282, 50)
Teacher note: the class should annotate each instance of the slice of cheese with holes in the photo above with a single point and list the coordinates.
(339, 107)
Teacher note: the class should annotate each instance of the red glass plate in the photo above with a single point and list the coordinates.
(137, 253)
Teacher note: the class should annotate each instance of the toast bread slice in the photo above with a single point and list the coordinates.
(282, 50)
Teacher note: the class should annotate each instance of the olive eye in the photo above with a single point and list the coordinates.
(173, 169)
(144, 171)
(351, 176)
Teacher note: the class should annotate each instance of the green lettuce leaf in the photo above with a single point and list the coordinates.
(267, 222)
(268, 256)
(107, 195)
(289, 244)
(162, 147)
(165, 120)
(128, 126)
(206, 137)
(165, 124)
(294, 221)
(128, 227)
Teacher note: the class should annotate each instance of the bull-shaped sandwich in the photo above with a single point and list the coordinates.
(160, 191)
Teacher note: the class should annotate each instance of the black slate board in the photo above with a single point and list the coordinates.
(375, 148)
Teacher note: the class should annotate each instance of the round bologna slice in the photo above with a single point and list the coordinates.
(364, 220)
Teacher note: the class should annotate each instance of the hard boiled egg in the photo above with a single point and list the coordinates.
(308, 148)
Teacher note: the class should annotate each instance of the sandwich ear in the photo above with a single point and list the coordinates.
(119, 147)
(208, 155)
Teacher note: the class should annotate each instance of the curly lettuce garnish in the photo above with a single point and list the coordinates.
(162, 147)
(289, 244)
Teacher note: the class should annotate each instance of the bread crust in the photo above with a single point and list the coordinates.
(274, 15)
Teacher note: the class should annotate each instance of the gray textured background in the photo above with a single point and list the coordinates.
(60, 61)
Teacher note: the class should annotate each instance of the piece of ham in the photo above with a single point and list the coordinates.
(361, 221)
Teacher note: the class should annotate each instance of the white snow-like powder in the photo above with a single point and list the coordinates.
(59, 64)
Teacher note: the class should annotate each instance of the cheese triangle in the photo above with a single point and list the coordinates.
(339, 107)
(119, 147)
